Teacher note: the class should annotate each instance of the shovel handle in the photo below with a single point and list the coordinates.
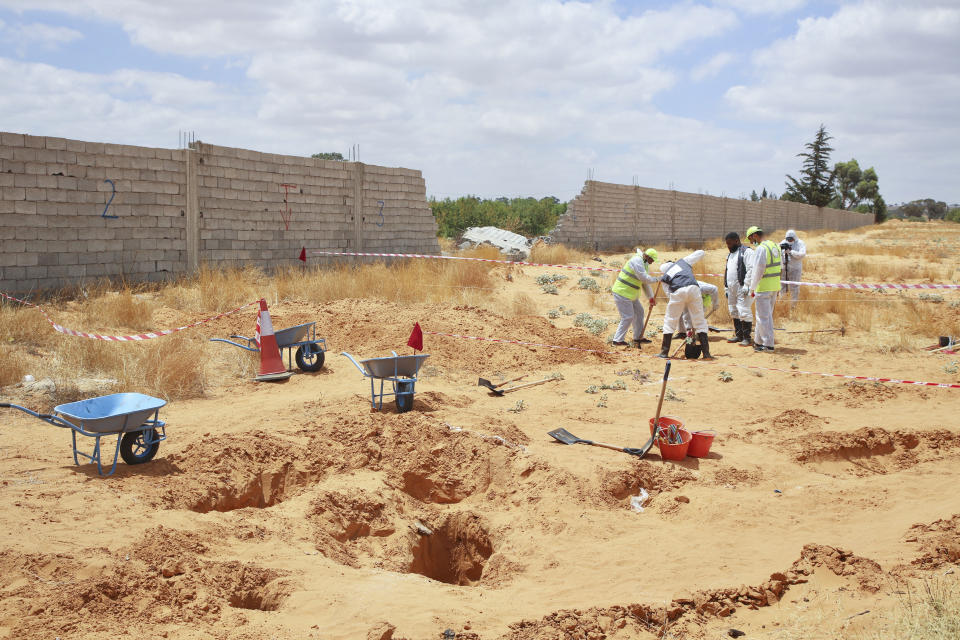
(528, 384)
(511, 380)
(663, 391)
(643, 332)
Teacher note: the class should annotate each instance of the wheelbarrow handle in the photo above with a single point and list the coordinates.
(355, 363)
(42, 416)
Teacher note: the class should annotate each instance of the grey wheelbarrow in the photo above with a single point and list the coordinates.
(309, 348)
(132, 417)
(399, 371)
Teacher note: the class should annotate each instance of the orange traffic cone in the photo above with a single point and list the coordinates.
(271, 364)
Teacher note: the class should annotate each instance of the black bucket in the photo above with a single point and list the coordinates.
(944, 341)
(405, 396)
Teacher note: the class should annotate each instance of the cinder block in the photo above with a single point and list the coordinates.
(33, 142)
(12, 139)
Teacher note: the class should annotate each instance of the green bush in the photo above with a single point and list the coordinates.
(526, 216)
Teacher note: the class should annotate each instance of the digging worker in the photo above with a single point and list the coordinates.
(794, 251)
(685, 295)
(626, 295)
(764, 286)
(735, 278)
(710, 295)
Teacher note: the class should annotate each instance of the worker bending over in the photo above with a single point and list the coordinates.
(764, 286)
(626, 295)
(684, 291)
(735, 279)
(794, 251)
(710, 295)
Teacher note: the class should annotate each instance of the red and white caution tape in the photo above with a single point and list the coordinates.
(939, 385)
(866, 287)
(133, 338)
(871, 287)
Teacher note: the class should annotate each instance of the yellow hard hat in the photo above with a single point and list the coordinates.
(754, 229)
(652, 253)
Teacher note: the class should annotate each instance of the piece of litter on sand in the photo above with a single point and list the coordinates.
(777, 491)
(636, 502)
(421, 528)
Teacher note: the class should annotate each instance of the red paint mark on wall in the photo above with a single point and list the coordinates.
(285, 214)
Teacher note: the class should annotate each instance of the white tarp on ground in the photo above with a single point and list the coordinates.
(509, 243)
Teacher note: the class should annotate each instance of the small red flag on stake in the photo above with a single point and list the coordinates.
(416, 338)
(303, 254)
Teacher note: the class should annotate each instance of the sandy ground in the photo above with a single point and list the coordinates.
(291, 510)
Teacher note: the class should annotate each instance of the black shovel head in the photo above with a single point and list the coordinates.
(692, 351)
(566, 437)
(483, 382)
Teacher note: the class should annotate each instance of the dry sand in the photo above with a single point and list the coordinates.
(292, 511)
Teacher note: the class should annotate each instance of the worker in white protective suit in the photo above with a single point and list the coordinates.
(710, 295)
(735, 279)
(764, 286)
(632, 278)
(685, 295)
(794, 251)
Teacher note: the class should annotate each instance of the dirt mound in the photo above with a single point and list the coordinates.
(159, 579)
(257, 470)
(731, 477)
(695, 608)
(939, 542)
(654, 477)
(873, 450)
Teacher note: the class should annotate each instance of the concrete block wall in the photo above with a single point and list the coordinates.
(54, 192)
(177, 208)
(606, 216)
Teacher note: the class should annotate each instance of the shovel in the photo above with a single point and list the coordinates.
(663, 391)
(566, 437)
(643, 332)
(523, 386)
(483, 382)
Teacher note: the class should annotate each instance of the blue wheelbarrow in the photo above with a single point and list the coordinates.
(399, 371)
(303, 337)
(132, 417)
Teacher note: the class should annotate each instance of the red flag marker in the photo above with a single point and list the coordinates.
(303, 254)
(416, 338)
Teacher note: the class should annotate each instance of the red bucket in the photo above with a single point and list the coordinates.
(666, 422)
(675, 451)
(700, 443)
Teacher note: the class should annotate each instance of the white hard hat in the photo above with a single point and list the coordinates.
(792, 234)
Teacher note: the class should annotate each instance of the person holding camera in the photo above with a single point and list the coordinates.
(794, 251)
(764, 284)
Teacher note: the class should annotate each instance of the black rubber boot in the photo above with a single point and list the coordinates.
(665, 346)
(738, 331)
(747, 326)
(705, 346)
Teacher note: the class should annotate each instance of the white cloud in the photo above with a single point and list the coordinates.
(762, 6)
(35, 35)
(883, 78)
(713, 66)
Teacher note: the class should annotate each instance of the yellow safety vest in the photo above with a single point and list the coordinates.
(771, 275)
(627, 284)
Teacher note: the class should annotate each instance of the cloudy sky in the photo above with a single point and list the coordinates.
(507, 97)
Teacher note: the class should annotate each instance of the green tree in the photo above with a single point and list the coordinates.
(763, 194)
(815, 185)
(754, 196)
(526, 216)
(329, 155)
(848, 175)
(927, 207)
(953, 215)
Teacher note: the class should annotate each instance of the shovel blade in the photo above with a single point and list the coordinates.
(483, 382)
(565, 436)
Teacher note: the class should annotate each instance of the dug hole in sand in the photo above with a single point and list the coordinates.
(293, 511)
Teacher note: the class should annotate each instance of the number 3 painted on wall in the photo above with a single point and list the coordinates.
(107, 206)
(380, 224)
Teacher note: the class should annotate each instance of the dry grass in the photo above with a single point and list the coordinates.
(930, 612)
(556, 254)
(523, 305)
(118, 309)
(12, 367)
(24, 326)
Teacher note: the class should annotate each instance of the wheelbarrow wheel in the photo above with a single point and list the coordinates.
(309, 357)
(135, 448)
(404, 402)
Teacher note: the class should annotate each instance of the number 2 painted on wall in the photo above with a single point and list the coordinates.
(107, 206)
(380, 224)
